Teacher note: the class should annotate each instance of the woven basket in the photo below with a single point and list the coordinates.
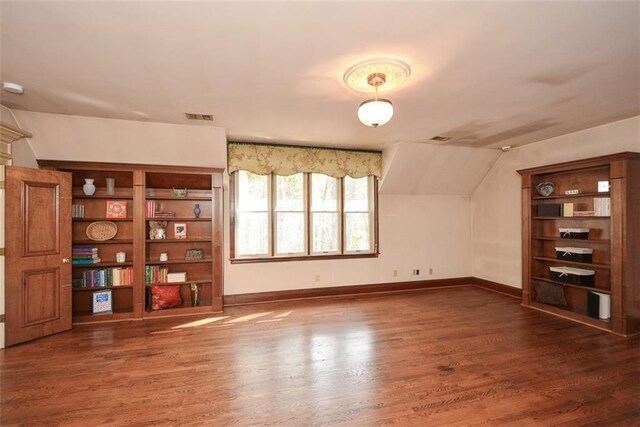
(102, 230)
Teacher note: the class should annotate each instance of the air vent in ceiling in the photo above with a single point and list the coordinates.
(441, 138)
(193, 116)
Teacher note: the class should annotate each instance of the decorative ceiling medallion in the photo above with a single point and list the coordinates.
(394, 70)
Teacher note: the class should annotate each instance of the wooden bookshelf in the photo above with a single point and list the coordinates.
(614, 239)
(136, 184)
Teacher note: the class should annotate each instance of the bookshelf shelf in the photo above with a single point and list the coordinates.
(100, 288)
(103, 265)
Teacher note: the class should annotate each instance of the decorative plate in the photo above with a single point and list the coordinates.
(545, 188)
(102, 230)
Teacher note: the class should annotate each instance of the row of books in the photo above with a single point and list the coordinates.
(77, 211)
(602, 206)
(105, 277)
(152, 212)
(158, 274)
(84, 256)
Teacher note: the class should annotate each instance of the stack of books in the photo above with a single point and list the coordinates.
(156, 274)
(77, 211)
(160, 214)
(85, 256)
(177, 277)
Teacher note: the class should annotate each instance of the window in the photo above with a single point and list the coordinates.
(302, 216)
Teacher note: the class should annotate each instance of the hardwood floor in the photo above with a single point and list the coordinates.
(458, 356)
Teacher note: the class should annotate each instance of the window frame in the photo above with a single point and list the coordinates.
(309, 255)
(270, 229)
(372, 211)
(273, 217)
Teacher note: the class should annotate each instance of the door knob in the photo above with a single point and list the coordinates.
(66, 260)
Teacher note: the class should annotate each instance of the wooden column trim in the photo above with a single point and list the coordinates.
(139, 245)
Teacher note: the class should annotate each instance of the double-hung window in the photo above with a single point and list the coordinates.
(298, 203)
(302, 216)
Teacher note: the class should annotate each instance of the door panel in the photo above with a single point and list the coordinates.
(40, 296)
(42, 218)
(38, 253)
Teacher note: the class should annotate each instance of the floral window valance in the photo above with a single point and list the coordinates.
(264, 159)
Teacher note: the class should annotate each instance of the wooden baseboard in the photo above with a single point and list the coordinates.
(343, 291)
(497, 287)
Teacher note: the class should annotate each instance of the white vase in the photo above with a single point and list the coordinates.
(88, 187)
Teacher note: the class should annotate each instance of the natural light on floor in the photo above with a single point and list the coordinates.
(277, 317)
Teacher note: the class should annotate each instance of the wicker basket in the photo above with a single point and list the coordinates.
(102, 230)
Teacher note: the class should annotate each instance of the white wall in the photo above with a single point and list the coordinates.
(416, 232)
(497, 245)
(65, 137)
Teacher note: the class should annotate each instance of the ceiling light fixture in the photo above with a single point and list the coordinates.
(375, 112)
(13, 87)
(373, 75)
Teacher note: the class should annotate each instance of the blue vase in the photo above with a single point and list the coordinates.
(196, 210)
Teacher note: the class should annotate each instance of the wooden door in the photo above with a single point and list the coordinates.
(38, 253)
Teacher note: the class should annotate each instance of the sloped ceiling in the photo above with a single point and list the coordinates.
(485, 73)
(410, 168)
(65, 137)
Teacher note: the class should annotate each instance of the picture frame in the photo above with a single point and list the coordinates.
(116, 209)
(180, 231)
(193, 254)
(102, 302)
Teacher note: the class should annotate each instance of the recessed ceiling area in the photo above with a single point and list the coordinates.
(485, 74)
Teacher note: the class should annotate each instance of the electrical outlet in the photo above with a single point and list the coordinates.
(430, 271)
(395, 273)
(416, 272)
(317, 278)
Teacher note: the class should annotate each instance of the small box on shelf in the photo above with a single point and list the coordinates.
(574, 233)
(549, 209)
(574, 254)
(177, 277)
(573, 276)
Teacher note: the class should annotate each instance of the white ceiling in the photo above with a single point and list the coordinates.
(486, 73)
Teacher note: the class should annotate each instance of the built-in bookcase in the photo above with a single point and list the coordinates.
(174, 190)
(613, 239)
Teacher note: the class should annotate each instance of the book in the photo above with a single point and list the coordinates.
(82, 250)
(160, 214)
(151, 209)
(102, 302)
(116, 209)
(602, 206)
(85, 261)
(177, 277)
(567, 209)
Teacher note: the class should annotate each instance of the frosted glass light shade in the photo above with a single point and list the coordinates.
(375, 112)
